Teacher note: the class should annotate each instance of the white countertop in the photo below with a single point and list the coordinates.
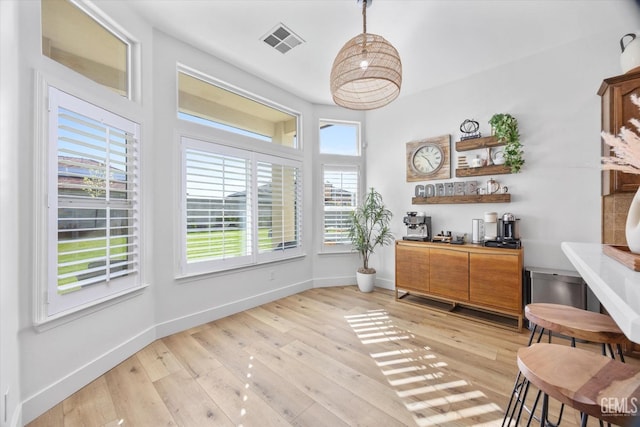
(616, 286)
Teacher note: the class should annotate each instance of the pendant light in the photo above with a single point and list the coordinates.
(367, 72)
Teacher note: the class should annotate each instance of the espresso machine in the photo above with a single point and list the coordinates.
(509, 227)
(418, 227)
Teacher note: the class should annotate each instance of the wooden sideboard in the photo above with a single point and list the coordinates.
(470, 280)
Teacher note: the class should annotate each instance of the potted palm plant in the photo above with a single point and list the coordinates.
(369, 228)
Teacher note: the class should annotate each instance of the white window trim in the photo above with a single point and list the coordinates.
(133, 47)
(42, 203)
(342, 247)
(359, 147)
(337, 160)
(268, 147)
(203, 267)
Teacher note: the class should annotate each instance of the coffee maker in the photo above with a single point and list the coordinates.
(418, 227)
(508, 233)
(509, 227)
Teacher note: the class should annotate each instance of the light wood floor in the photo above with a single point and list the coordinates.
(325, 357)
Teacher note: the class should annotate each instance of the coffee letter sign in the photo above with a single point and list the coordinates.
(448, 189)
(429, 190)
(471, 187)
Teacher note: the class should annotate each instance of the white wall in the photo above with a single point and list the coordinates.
(63, 357)
(553, 96)
(190, 301)
(9, 274)
(47, 365)
(331, 268)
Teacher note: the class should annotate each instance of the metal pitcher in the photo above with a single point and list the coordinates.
(493, 186)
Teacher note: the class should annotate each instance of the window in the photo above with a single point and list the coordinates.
(340, 200)
(341, 183)
(339, 138)
(93, 203)
(205, 103)
(78, 41)
(241, 207)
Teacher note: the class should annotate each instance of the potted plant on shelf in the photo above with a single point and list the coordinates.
(369, 228)
(505, 128)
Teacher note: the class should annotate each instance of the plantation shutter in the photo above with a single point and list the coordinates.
(93, 212)
(240, 207)
(217, 204)
(340, 198)
(279, 189)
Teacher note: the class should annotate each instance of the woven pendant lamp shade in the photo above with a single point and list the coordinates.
(358, 88)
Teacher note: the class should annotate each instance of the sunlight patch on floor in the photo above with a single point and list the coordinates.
(431, 393)
(445, 400)
(432, 388)
(245, 397)
(439, 419)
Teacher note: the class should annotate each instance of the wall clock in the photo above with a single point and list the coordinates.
(429, 159)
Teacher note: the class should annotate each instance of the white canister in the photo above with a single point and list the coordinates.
(490, 225)
(491, 217)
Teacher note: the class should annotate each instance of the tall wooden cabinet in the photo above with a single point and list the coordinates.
(462, 277)
(617, 109)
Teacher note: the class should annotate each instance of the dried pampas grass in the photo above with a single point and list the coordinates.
(625, 147)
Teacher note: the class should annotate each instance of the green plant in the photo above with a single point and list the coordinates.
(370, 227)
(505, 128)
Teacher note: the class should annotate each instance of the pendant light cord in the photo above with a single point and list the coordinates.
(364, 16)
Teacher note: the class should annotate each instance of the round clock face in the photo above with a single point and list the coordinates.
(427, 159)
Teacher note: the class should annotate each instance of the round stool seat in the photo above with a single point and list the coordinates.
(575, 322)
(593, 384)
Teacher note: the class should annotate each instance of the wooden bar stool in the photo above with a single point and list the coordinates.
(574, 323)
(595, 385)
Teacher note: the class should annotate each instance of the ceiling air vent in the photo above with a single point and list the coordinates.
(281, 38)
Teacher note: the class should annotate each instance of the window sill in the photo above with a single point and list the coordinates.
(191, 277)
(59, 319)
(342, 251)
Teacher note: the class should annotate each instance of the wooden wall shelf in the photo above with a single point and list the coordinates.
(484, 170)
(470, 198)
(478, 143)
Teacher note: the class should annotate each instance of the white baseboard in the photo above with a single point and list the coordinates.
(45, 399)
(328, 282)
(385, 283)
(50, 396)
(16, 418)
(191, 320)
(351, 280)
